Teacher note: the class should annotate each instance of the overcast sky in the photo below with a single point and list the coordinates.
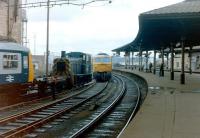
(91, 29)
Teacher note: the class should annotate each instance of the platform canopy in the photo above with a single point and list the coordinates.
(126, 48)
(164, 26)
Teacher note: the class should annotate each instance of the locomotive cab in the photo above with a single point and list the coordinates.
(16, 64)
(102, 67)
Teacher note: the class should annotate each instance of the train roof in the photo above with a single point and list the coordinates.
(104, 54)
(76, 54)
(11, 46)
(101, 55)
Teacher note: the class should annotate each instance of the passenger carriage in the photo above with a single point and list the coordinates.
(15, 63)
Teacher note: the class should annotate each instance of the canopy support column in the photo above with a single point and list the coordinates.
(167, 61)
(125, 61)
(172, 62)
(139, 56)
(146, 55)
(182, 62)
(154, 62)
(132, 60)
(129, 60)
(141, 62)
(162, 64)
(190, 56)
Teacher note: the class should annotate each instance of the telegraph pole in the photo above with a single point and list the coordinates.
(47, 48)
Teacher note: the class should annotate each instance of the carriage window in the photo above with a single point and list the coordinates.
(103, 59)
(10, 61)
(83, 57)
(25, 61)
(87, 58)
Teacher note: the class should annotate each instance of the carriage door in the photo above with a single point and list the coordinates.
(25, 66)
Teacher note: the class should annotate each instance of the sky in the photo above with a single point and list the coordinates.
(99, 27)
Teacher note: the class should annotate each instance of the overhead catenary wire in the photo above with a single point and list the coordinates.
(58, 3)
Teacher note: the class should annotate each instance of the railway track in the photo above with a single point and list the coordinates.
(110, 121)
(23, 123)
(80, 114)
(8, 111)
(103, 111)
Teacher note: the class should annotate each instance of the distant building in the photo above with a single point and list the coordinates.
(118, 61)
(39, 64)
(11, 20)
(195, 61)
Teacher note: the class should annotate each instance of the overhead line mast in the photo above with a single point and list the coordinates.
(47, 48)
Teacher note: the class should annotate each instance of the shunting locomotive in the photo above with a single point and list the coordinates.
(74, 67)
(81, 67)
(102, 67)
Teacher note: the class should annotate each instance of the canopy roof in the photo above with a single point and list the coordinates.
(171, 24)
(126, 48)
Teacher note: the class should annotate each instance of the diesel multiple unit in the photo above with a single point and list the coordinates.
(15, 64)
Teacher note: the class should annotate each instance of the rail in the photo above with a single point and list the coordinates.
(21, 130)
(103, 113)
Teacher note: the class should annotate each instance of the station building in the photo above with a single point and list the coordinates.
(39, 64)
(195, 60)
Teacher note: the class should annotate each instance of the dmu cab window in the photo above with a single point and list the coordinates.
(102, 60)
(10, 61)
(25, 61)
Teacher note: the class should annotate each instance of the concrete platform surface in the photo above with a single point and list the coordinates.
(170, 110)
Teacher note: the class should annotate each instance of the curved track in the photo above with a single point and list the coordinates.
(84, 114)
(112, 121)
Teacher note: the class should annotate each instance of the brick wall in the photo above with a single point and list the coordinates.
(15, 26)
(3, 20)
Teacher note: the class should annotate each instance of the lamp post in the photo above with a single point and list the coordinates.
(47, 48)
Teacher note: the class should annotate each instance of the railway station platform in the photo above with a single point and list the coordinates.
(170, 110)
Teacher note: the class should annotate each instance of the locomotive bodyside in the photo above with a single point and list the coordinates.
(75, 67)
(81, 66)
(16, 70)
